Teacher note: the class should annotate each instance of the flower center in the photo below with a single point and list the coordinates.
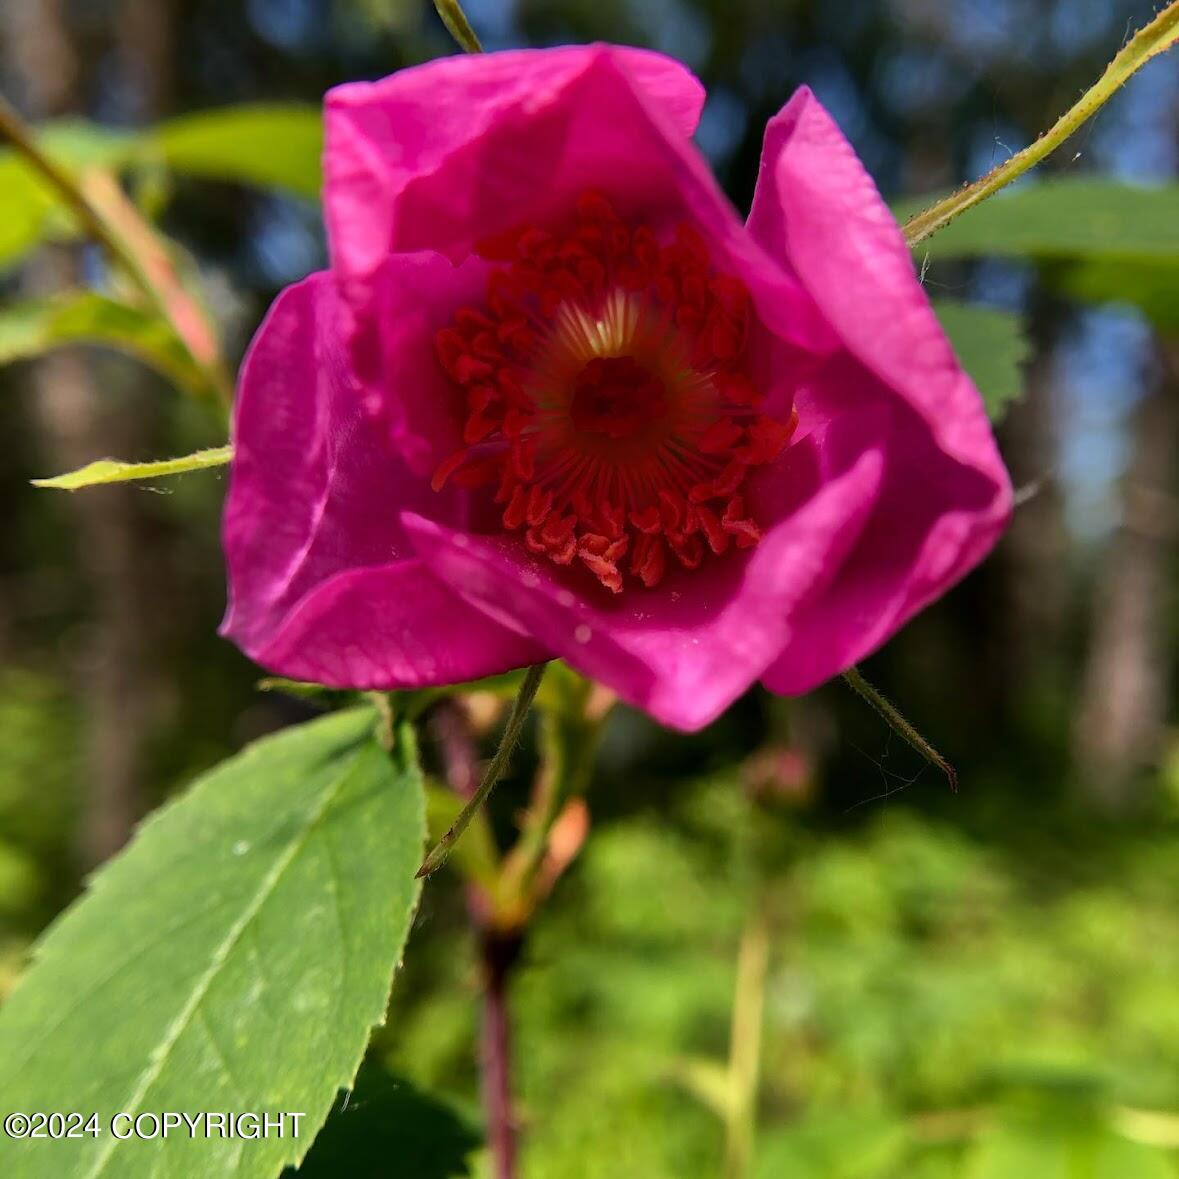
(616, 396)
(607, 397)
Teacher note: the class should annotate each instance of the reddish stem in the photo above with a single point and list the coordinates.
(498, 954)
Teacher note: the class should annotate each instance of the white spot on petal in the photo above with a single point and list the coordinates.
(583, 633)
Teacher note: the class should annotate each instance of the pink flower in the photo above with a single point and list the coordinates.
(553, 399)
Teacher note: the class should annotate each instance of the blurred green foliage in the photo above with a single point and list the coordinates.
(938, 1003)
(39, 758)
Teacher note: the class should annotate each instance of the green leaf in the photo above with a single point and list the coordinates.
(273, 146)
(387, 1126)
(1152, 287)
(992, 348)
(1097, 240)
(113, 471)
(36, 326)
(235, 957)
(1066, 219)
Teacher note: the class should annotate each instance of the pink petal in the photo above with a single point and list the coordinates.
(391, 347)
(818, 213)
(395, 626)
(522, 152)
(385, 137)
(685, 651)
(946, 495)
(315, 495)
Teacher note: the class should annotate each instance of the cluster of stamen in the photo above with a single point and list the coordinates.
(606, 397)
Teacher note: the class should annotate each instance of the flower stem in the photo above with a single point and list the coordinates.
(499, 953)
(1148, 42)
(897, 722)
(457, 25)
(438, 856)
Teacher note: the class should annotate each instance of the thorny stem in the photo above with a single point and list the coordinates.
(899, 725)
(494, 772)
(457, 24)
(1148, 42)
(17, 132)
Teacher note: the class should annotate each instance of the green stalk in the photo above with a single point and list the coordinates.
(744, 1070)
(457, 24)
(495, 770)
(897, 722)
(1148, 42)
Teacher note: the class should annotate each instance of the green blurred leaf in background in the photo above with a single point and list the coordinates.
(1097, 240)
(992, 348)
(269, 145)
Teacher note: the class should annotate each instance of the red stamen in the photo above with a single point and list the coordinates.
(605, 386)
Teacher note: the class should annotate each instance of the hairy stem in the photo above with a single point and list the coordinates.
(499, 763)
(1148, 42)
(897, 722)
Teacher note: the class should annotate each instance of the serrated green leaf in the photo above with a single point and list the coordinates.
(113, 471)
(992, 347)
(234, 958)
(1062, 220)
(387, 1126)
(270, 145)
(35, 326)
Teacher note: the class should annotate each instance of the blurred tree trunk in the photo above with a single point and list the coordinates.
(1032, 556)
(1123, 705)
(79, 421)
